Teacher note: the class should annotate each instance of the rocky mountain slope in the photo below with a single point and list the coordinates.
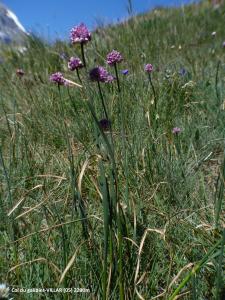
(11, 29)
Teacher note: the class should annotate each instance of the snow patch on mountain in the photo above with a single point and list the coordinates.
(11, 15)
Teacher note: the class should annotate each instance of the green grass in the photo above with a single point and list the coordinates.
(132, 213)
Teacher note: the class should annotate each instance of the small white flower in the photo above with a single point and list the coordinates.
(213, 33)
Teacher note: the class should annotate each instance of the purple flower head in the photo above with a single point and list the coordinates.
(100, 74)
(20, 72)
(80, 34)
(114, 57)
(224, 44)
(104, 124)
(110, 78)
(148, 68)
(125, 72)
(75, 63)
(183, 72)
(176, 130)
(57, 78)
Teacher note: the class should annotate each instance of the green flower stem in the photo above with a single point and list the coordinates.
(82, 53)
(78, 75)
(102, 99)
(117, 78)
(153, 90)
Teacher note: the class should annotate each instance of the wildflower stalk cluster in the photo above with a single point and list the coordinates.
(115, 222)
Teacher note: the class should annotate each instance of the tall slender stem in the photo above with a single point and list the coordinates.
(70, 153)
(78, 75)
(82, 53)
(216, 81)
(102, 99)
(153, 89)
(117, 78)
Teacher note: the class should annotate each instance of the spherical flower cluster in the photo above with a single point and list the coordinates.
(110, 78)
(75, 63)
(104, 124)
(58, 78)
(148, 68)
(114, 57)
(100, 74)
(80, 34)
(176, 130)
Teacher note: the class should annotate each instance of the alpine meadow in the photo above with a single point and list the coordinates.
(112, 160)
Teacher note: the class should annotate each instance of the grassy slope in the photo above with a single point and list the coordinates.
(51, 166)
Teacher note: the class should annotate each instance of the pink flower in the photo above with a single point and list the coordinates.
(57, 78)
(110, 78)
(148, 68)
(60, 80)
(75, 63)
(100, 74)
(80, 34)
(114, 57)
(176, 130)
